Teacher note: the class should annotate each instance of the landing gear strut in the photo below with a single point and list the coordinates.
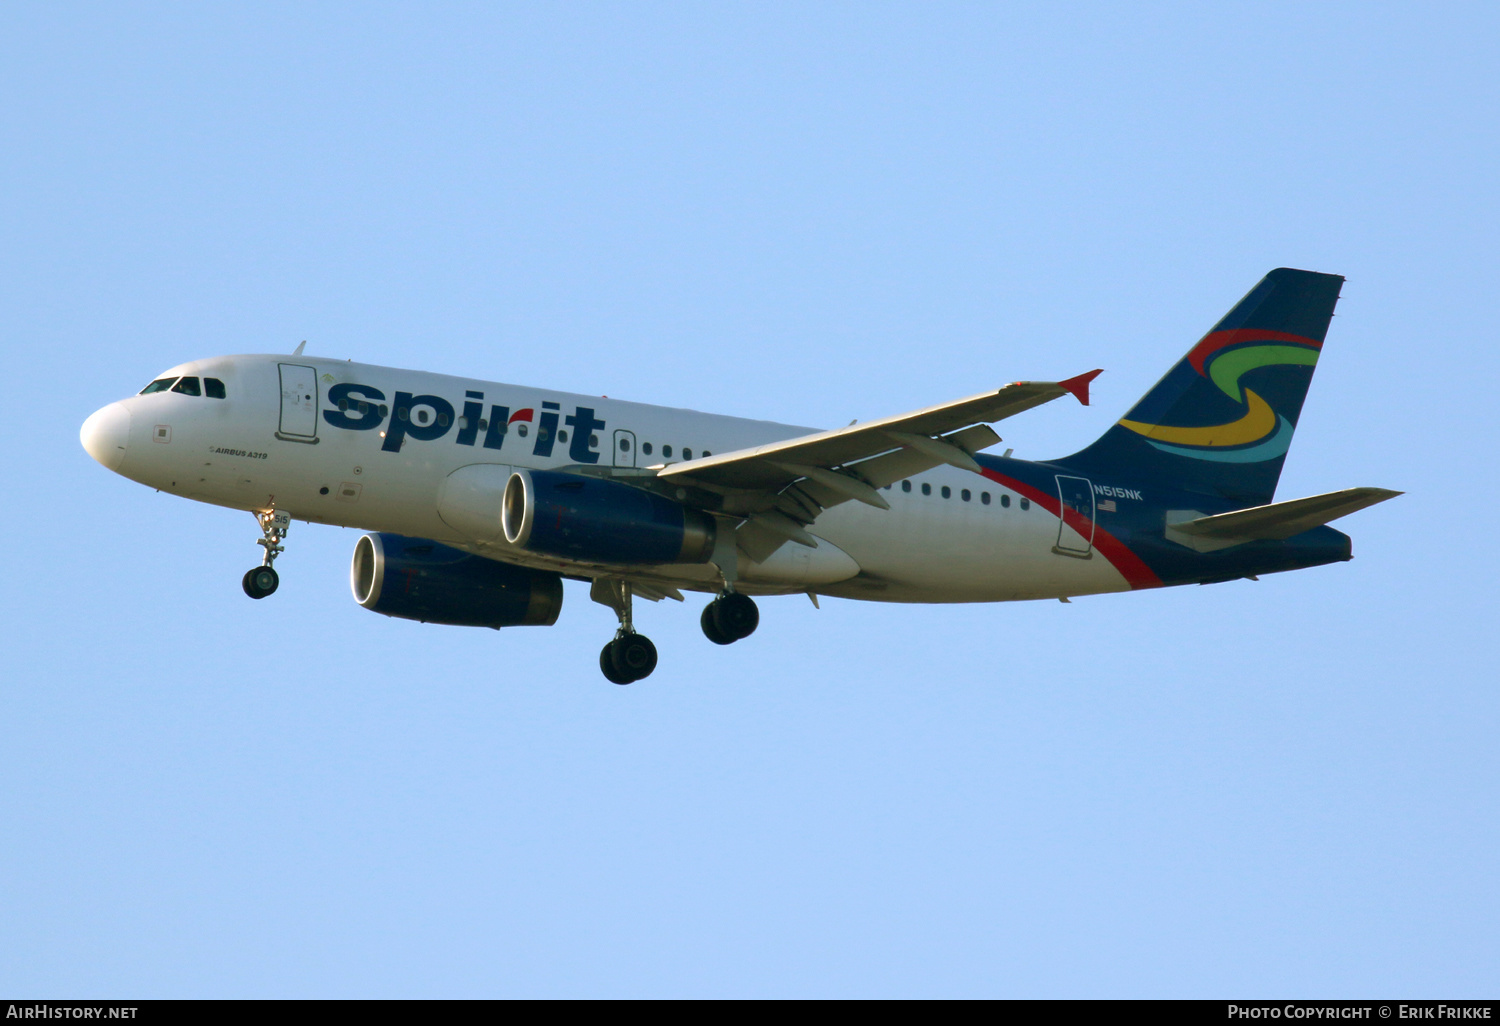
(729, 618)
(630, 656)
(263, 580)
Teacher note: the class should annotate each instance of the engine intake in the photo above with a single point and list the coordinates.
(416, 579)
(597, 520)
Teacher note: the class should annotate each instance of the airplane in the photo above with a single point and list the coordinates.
(481, 498)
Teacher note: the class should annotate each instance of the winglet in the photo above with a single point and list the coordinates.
(1079, 386)
(298, 350)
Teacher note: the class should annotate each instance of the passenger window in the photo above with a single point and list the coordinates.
(423, 416)
(624, 445)
(186, 386)
(1025, 504)
(965, 495)
(947, 492)
(926, 489)
(593, 441)
(213, 388)
(159, 385)
(984, 497)
(442, 420)
(521, 430)
(666, 450)
(646, 448)
(706, 454)
(906, 486)
(1005, 501)
(687, 454)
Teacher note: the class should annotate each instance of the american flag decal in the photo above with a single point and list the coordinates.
(1107, 506)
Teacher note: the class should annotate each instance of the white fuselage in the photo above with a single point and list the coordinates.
(278, 439)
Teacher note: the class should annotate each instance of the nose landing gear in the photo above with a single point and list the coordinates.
(630, 656)
(729, 618)
(263, 580)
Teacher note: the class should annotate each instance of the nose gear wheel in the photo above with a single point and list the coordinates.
(260, 582)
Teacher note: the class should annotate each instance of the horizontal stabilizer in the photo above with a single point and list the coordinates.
(1281, 520)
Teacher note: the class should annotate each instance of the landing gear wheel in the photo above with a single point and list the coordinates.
(711, 628)
(260, 582)
(634, 656)
(607, 666)
(735, 616)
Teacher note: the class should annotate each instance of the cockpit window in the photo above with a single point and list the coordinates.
(159, 385)
(213, 388)
(187, 386)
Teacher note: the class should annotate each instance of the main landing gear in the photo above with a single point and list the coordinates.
(729, 618)
(263, 580)
(630, 656)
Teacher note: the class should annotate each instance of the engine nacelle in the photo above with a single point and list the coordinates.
(417, 579)
(596, 520)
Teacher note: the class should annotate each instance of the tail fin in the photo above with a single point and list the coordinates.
(1221, 421)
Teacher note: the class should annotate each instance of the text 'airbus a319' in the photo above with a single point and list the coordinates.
(482, 497)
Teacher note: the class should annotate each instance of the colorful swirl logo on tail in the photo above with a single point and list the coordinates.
(1261, 434)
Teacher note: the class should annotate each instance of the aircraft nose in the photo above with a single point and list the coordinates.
(105, 434)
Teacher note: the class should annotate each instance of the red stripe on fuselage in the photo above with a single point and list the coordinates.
(1216, 340)
(1136, 573)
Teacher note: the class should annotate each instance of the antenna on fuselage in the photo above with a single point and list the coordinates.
(300, 347)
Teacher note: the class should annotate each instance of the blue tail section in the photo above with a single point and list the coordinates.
(1220, 421)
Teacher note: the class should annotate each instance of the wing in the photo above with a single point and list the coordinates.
(780, 488)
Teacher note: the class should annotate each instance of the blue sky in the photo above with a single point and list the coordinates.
(806, 213)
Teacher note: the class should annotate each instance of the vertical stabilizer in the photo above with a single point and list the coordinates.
(1220, 422)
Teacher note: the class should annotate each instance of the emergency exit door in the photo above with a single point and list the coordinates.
(624, 448)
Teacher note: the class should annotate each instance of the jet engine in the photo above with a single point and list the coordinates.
(597, 520)
(417, 579)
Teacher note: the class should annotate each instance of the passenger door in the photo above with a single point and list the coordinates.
(299, 403)
(1075, 526)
